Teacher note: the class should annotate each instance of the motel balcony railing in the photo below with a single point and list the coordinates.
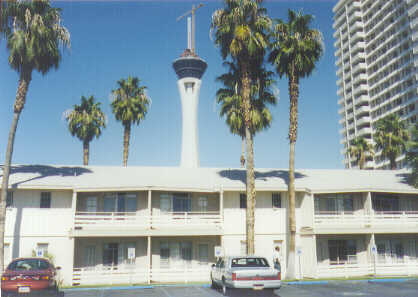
(92, 220)
(135, 274)
(346, 219)
(362, 269)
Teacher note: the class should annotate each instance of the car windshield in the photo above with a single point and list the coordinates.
(249, 262)
(28, 264)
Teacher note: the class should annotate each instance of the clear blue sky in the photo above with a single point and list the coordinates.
(111, 40)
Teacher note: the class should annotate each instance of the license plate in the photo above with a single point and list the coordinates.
(23, 290)
(258, 287)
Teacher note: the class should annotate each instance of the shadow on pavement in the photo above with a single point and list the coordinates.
(250, 292)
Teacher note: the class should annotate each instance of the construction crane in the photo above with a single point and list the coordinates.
(190, 27)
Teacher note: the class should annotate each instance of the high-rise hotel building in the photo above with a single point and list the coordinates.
(376, 55)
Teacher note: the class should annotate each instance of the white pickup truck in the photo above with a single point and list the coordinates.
(251, 272)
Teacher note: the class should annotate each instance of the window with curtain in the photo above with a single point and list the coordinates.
(9, 199)
(242, 201)
(276, 200)
(90, 256)
(340, 250)
(203, 204)
(45, 200)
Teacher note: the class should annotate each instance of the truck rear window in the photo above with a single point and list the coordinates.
(249, 262)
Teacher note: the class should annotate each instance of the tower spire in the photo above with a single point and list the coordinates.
(191, 27)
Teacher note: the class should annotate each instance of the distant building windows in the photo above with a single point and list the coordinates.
(242, 201)
(45, 200)
(9, 199)
(276, 200)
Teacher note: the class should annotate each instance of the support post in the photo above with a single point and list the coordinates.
(149, 259)
(150, 209)
(221, 206)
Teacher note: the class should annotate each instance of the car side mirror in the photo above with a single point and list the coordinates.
(213, 265)
(58, 268)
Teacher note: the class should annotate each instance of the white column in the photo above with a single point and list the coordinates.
(150, 208)
(189, 89)
(149, 255)
(221, 207)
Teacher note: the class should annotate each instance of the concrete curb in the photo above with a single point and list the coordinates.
(389, 280)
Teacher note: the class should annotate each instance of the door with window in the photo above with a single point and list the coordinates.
(121, 202)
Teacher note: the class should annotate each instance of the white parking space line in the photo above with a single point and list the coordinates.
(165, 292)
(206, 293)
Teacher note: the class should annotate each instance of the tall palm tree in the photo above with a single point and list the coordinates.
(130, 105)
(412, 157)
(241, 33)
(231, 102)
(85, 122)
(34, 37)
(359, 148)
(391, 138)
(295, 48)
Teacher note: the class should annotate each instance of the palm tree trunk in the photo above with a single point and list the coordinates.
(250, 184)
(25, 78)
(86, 152)
(126, 136)
(294, 94)
(392, 163)
(242, 160)
(362, 161)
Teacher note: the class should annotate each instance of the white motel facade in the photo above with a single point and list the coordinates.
(135, 225)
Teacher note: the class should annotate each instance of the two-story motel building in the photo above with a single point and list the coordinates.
(161, 224)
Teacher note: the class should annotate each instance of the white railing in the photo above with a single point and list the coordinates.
(187, 218)
(110, 218)
(362, 269)
(91, 220)
(379, 218)
(134, 275)
(109, 276)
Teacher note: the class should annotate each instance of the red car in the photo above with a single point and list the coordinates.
(25, 275)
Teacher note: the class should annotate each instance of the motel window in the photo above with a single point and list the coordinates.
(242, 201)
(175, 253)
(121, 202)
(45, 200)
(9, 199)
(342, 251)
(177, 202)
(182, 202)
(203, 253)
(110, 254)
(203, 204)
(90, 256)
(334, 203)
(91, 204)
(385, 202)
(276, 200)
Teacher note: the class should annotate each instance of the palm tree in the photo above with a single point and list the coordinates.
(358, 150)
(241, 33)
(34, 37)
(295, 48)
(231, 102)
(391, 138)
(130, 105)
(412, 157)
(85, 122)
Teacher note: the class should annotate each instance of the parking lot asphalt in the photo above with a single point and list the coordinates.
(395, 288)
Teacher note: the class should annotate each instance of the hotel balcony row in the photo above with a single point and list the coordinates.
(154, 213)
